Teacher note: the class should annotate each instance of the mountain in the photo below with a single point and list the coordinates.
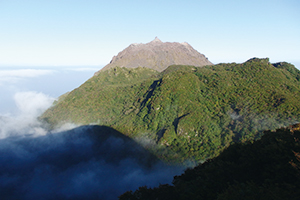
(158, 55)
(186, 112)
(265, 169)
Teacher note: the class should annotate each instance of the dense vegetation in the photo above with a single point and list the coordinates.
(186, 112)
(268, 168)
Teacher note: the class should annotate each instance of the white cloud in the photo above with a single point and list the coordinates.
(30, 105)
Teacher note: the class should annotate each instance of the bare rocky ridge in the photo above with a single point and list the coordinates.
(158, 55)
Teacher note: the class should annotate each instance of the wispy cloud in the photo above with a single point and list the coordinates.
(23, 73)
(15, 75)
(84, 69)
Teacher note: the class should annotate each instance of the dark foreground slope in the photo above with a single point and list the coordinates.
(265, 169)
(187, 112)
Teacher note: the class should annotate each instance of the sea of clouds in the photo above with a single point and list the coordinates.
(87, 162)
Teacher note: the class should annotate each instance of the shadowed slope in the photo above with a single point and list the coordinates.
(265, 169)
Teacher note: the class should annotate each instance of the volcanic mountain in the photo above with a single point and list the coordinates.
(186, 112)
(158, 55)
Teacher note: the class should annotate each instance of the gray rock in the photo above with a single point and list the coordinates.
(158, 55)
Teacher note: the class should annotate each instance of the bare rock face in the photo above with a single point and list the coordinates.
(158, 55)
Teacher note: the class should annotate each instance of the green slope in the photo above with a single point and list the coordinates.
(101, 99)
(187, 112)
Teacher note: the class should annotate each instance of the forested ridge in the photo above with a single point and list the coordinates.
(186, 112)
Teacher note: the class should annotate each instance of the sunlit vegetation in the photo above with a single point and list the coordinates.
(187, 112)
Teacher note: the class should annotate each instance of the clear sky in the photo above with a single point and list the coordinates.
(91, 32)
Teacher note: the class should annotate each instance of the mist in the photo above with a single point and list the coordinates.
(85, 162)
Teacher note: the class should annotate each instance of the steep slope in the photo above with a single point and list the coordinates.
(102, 99)
(158, 55)
(266, 169)
(187, 112)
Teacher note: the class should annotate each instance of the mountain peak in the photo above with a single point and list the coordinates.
(156, 40)
(158, 55)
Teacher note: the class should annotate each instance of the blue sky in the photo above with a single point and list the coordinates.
(90, 32)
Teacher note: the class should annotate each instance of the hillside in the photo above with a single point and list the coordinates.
(265, 169)
(186, 112)
(157, 55)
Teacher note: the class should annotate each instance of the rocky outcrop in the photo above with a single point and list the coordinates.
(158, 55)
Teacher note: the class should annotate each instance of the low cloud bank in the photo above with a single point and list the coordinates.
(89, 162)
(80, 163)
(30, 105)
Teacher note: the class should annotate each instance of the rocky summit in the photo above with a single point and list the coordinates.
(158, 55)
